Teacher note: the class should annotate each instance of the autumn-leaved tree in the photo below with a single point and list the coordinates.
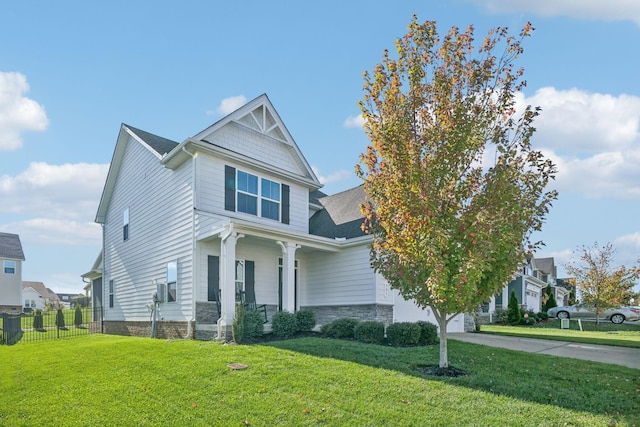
(454, 188)
(598, 282)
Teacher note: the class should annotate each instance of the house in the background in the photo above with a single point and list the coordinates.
(67, 300)
(234, 213)
(11, 258)
(36, 296)
(529, 284)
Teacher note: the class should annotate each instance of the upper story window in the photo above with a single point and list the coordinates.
(251, 194)
(9, 267)
(125, 224)
(258, 196)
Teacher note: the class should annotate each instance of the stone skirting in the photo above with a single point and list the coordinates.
(13, 309)
(164, 329)
(365, 312)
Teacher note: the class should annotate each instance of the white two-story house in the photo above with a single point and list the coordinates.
(232, 213)
(11, 258)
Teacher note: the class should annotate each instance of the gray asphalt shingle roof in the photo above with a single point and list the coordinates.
(341, 215)
(161, 145)
(10, 246)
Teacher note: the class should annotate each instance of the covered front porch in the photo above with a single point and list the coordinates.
(247, 264)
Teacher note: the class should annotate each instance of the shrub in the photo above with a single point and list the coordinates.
(342, 328)
(513, 310)
(306, 320)
(371, 332)
(284, 324)
(500, 316)
(60, 318)
(543, 315)
(429, 333)
(253, 324)
(77, 318)
(38, 322)
(324, 329)
(403, 334)
(237, 327)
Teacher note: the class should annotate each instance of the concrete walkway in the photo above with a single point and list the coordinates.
(629, 357)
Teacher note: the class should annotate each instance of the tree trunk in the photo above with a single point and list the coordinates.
(444, 357)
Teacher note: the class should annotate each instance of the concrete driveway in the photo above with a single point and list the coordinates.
(629, 357)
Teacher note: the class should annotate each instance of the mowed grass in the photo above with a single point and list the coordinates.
(125, 381)
(606, 333)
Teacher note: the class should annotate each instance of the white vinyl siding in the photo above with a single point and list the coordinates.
(160, 199)
(339, 278)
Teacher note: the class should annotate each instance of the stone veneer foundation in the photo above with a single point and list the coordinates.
(164, 329)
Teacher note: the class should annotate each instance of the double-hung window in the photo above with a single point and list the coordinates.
(258, 196)
(9, 267)
(111, 293)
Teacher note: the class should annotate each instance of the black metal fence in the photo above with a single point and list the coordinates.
(52, 324)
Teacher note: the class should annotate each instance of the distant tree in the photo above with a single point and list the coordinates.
(77, 318)
(514, 317)
(454, 188)
(549, 300)
(598, 282)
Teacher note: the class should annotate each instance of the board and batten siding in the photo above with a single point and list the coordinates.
(210, 198)
(160, 231)
(341, 278)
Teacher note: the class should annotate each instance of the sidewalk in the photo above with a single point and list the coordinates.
(629, 357)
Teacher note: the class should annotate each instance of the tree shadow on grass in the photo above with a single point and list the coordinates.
(601, 389)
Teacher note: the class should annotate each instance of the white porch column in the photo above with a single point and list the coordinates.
(288, 275)
(228, 277)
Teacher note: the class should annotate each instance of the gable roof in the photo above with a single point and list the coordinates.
(10, 246)
(40, 288)
(155, 144)
(545, 265)
(341, 217)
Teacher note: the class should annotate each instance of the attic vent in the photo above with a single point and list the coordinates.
(261, 119)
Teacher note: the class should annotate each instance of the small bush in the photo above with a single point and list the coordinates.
(77, 318)
(429, 333)
(324, 329)
(342, 328)
(543, 315)
(370, 332)
(253, 324)
(60, 318)
(284, 324)
(306, 320)
(237, 327)
(38, 322)
(500, 316)
(403, 334)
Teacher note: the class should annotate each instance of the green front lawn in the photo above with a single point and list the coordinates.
(606, 333)
(112, 380)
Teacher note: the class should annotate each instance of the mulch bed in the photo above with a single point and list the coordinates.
(437, 371)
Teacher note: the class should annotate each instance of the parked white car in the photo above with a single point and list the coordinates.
(587, 311)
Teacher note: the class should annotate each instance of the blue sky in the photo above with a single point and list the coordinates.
(71, 72)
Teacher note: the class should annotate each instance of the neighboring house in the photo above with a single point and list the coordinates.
(93, 289)
(67, 299)
(36, 296)
(191, 228)
(11, 258)
(529, 285)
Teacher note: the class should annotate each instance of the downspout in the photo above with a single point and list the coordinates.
(223, 238)
(194, 257)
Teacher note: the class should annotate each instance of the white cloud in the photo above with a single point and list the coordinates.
(67, 192)
(17, 112)
(229, 105)
(56, 232)
(593, 138)
(610, 10)
(333, 177)
(354, 122)
(627, 249)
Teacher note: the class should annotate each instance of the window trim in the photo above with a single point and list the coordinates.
(111, 293)
(125, 225)
(259, 197)
(172, 282)
(9, 266)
